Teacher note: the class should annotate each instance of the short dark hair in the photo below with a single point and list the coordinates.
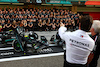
(86, 22)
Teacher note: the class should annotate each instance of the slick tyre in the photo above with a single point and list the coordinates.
(16, 46)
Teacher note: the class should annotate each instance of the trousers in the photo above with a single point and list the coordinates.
(74, 65)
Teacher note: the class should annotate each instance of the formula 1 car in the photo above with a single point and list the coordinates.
(28, 44)
(57, 41)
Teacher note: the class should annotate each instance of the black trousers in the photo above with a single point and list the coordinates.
(74, 65)
(94, 61)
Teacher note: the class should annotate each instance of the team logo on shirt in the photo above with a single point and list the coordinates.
(82, 36)
(80, 43)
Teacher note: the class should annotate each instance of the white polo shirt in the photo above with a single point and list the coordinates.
(78, 45)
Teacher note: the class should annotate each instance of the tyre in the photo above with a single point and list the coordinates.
(16, 46)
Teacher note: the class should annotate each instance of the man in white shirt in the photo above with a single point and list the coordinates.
(78, 43)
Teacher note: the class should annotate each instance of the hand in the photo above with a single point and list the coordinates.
(61, 24)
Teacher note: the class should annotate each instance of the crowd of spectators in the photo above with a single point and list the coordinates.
(38, 19)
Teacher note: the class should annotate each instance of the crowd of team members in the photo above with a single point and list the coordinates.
(38, 19)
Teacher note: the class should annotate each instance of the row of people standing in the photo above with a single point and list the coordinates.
(40, 25)
(12, 25)
(52, 17)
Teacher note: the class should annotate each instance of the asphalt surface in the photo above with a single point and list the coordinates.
(55, 61)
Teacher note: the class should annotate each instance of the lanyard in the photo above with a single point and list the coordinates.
(95, 38)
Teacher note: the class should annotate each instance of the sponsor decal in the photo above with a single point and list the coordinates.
(13, 37)
(46, 50)
(7, 53)
(79, 43)
(82, 36)
(29, 45)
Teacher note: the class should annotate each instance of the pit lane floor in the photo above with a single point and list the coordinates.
(54, 61)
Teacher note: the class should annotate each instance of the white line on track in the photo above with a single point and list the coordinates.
(8, 48)
(32, 56)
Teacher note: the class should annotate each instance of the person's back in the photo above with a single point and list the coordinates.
(78, 43)
(78, 47)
